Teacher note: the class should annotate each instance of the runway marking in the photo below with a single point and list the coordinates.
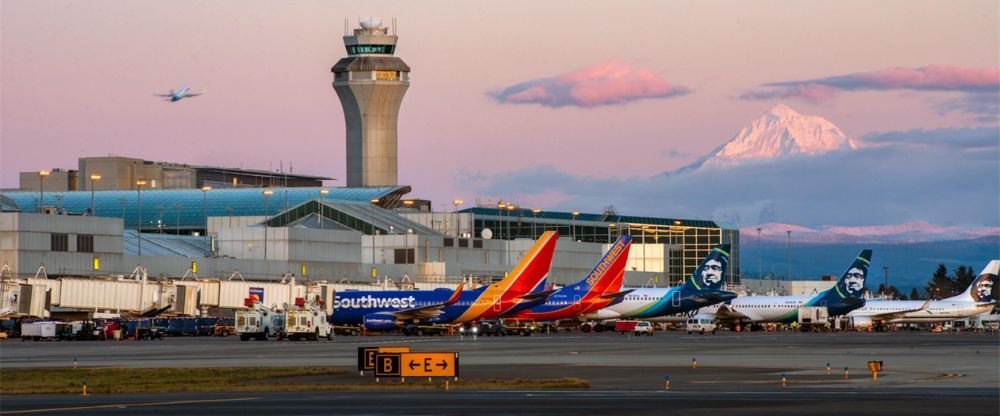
(126, 405)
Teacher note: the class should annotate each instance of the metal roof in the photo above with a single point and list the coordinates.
(370, 63)
(592, 218)
(187, 208)
(164, 245)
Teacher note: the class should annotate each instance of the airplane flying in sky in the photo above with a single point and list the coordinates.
(981, 296)
(600, 288)
(701, 289)
(842, 298)
(381, 310)
(179, 94)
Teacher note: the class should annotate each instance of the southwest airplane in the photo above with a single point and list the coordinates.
(842, 298)
(179, 94)
(600, 288)
(380, 310)
(701, 289)
(981, 296)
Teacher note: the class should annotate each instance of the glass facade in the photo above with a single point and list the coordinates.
(688, 241)
(370, 49)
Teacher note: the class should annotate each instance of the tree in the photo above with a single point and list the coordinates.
(941, 285)
(914, 295)
(963, 278)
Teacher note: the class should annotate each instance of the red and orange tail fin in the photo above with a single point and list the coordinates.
(454, 296)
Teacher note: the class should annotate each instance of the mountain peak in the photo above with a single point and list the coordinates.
(779, 133)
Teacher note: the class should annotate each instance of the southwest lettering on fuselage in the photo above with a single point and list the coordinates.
(369, 301)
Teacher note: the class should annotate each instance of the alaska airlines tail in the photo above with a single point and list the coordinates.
(711, 273)
(984, 288)
(847, 294)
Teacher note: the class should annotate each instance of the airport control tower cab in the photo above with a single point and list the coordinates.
(371, 83)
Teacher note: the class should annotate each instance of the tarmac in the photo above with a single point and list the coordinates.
(946, 373)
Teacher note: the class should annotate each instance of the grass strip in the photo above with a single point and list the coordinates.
(267, 379)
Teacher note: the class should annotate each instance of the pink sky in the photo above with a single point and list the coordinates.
(78, 78)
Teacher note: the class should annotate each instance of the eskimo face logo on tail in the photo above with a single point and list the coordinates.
(852, 283)
(985, 288)
(709, 275)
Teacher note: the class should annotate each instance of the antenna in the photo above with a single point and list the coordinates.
(345, 26)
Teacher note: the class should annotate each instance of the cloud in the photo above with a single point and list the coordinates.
(957, 138)
(873, 185)
(979, 89)
(603, 84)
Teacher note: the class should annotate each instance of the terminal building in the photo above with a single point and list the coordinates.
(115, 216)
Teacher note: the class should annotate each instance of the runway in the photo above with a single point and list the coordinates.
(947, 373)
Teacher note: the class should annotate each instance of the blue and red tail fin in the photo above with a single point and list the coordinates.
(711, 273)
(607, 274)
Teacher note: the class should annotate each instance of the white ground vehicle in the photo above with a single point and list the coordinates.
(43, 330)
(643, 327)
(309, 323)
(700, 325)
(259, 322)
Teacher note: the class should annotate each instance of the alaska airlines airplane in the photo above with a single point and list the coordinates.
(384, 309)
(842, 298)
(981, 296)
(601, 287)
(179, 94)
(701, 289)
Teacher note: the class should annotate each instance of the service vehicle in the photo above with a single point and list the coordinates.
(700, 325)
(424, 329)
(45, 330)
(635, 327)
(259, 322)
(307, 322)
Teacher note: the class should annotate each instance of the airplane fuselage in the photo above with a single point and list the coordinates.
(936, 311)
(659, 302)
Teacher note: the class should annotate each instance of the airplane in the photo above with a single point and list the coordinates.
(701, 289)
(382, 310)
(843, 297)
(179, 94)
(981, 296)
(600, 288)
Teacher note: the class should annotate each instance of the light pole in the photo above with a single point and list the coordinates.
(500, 207)
(789, 254)
(534, 213)
(610, 227)
(644, 227)
(573, 225)
(373, 201)
(93, 178)
(204, 212)
(322, 197)
(510, 210)
(406, 247)
(138, 224)
(458, 225)
(760, 256)
(267, 196)
(41, 189)
(885, 286)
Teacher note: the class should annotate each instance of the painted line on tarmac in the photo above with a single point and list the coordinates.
(127, 405)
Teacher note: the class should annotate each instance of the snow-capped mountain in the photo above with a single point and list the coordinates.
(910, 232)
(779, 133)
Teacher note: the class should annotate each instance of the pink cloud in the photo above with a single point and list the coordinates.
(603, 84)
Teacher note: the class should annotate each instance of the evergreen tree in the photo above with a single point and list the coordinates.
(941, 285)
(914, 295)
(963, 278)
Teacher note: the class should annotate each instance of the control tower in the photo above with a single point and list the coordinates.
(371, 82)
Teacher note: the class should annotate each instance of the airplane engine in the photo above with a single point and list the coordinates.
(379, 322)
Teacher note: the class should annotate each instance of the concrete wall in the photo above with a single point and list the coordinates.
(26, 243)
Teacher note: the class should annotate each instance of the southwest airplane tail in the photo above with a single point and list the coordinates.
(499, 298)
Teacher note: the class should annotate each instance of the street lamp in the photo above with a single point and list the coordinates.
(573, 226)
(760, 256)
(41, 189)
(406, 247)
(204, 211)
(138, 224)
(322, 196)
(534, 213)
(267, 196)
(610, 227)
(885, 286)
(500, 207)
(644, 228)
(458, 226)
(510, 210)
(789, 254)
(93, 178)
(373, 201)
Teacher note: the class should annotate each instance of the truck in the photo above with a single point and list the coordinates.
(259, 322)
(635, 327)
(307, 322)
(813, 317)
(45, 330)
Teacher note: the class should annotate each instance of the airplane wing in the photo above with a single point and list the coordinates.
(163, 95)
(888, 316)
(429, 311)
(617, 295)
(727, 312)
(194, 94)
